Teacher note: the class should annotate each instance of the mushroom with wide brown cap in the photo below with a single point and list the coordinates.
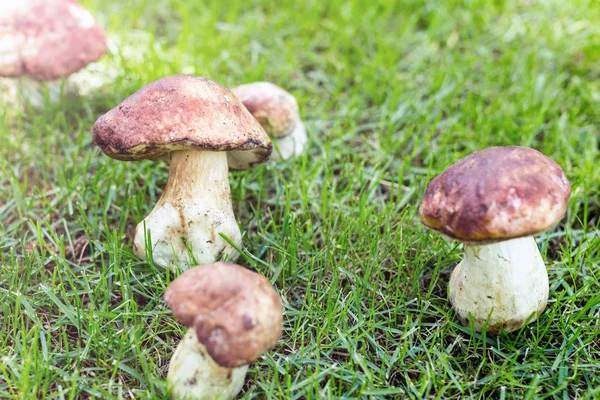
(278, 113)
(205, 131)
(494, 201)
(47, 40)
(234, 316)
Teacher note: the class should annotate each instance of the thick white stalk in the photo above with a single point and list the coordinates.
(291, 145)
(193, 210)
(506, 282)
(24, 90)
(32, 92)
(194, 375)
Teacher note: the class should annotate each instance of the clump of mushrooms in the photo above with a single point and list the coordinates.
(205, 131)
(43, 40)
(278, 113)
(495, 201)
(234, 316)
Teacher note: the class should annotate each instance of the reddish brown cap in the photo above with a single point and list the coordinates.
(235, 312)
(47, 40)
(182, 112)
(275, 109)
(496, 194)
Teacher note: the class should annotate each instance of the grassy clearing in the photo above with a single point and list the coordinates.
(392, 92)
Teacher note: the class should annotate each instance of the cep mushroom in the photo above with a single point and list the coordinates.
(234, 316)
(43, 40)
(495, 201)
(277, 111)
(205, 131)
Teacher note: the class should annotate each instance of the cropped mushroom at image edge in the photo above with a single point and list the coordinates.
(278, 113)
(204, 131)
(44, 40)
(494, 201)
(234, 316)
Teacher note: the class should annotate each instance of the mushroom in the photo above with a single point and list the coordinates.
(277, 112)
(204, 130)
(494, 201)
(234, 316)
(45, 41)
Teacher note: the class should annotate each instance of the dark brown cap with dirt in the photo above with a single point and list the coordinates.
(182, 112)
(275, 109)
(235, 312)
(496, 194)
(47, 40)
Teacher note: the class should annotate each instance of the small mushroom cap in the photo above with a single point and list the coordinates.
(235, 312)
(275, 109)
(496, 194)
(182, 112)
(47, 40)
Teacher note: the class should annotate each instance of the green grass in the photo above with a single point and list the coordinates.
(392, 93)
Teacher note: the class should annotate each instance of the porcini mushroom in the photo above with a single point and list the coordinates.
(278, 113)
(494, 201)
(43, 40)
(234, 316)
(205, 131)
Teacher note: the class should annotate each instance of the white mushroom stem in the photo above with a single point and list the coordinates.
(194, 210)
(291, 145)
(194, 375)
(503, 284)
(32, 92)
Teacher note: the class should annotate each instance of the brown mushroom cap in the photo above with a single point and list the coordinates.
(182, 112)
(275, 109)
(496, 194)
(235, 312)
(47, 40)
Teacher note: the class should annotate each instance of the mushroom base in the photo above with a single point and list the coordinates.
(194, 375)
(194, 210)
(503, 285)
(30, 92)
(291, 145)
(33, 93)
